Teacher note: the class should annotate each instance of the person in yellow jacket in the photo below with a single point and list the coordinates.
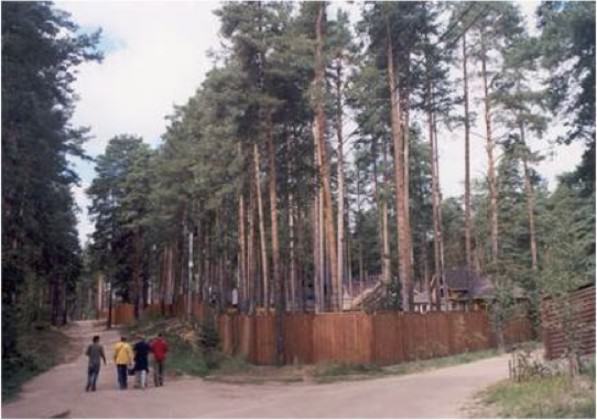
(123, 357)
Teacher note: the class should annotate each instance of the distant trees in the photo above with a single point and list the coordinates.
(120, 206)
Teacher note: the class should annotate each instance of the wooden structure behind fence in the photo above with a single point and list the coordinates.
(569, 323)
(355, 337)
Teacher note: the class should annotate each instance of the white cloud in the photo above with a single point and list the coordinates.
(160, 62)
(155, 57)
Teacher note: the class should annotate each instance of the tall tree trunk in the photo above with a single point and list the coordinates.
(251, 252)
(55, 299)
(137, 281)
(530, 196)
(348, 252)
(467, 163)
(493, 199)
(319, 128)
(190, 278)
(340, 168)
(292, 246)
(408, 237)
(171, 275)
(378, 202)
(162, 286)
(301, 246)
(276, 277)
(435, 193)
(64, 304)
(317, 243)
(434, 201)
(111, 293)
(360, 237)
(439, 213)
(273, 198)
(242, 277)
(265, 273)
(385, 237)
(405, 266)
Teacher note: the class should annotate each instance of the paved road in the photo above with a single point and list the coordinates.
(440, 393)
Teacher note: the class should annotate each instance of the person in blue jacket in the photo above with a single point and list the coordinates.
(141, 349)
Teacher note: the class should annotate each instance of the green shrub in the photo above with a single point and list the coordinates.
(34, 352)
(209, 340)
(540, 397)
(588, 368)
(344, 368)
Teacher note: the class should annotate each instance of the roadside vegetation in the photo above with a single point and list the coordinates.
(193, 347)
(38, 349)
(552, 396)
(333, 372)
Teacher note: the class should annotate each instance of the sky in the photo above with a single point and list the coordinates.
(156, 56)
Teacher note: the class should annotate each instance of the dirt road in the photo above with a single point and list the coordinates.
(440, 393)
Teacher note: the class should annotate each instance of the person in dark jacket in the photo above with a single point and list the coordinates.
(159, 348)
(95, 354)
(141, 349)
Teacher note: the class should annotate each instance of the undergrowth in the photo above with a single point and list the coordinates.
(193, 347)
(37, 350)
(554, 396)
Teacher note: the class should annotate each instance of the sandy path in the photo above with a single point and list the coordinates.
(440, 393)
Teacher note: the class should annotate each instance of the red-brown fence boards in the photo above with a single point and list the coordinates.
(437, 325)
(343, 337)
(265, 340)
(298, 338)
(246, 337)
(388, 335)
(355, 337)
(226, 333)
(123, 314)
(557, 328)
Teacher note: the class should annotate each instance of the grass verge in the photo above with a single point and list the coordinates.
(37, 352)
(557, 396)
(333, 372)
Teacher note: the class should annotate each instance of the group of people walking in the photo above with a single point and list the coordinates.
(129, 361)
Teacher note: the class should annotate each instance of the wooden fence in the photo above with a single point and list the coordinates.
(122, 314)
(356, 337)
(575, 328)
(383, 338)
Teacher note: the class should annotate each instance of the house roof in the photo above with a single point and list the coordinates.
(476, 285)
(461, 278)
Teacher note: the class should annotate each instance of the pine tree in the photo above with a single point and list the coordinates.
(41, 50)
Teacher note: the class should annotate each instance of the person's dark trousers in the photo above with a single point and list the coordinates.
(122, 375)
(92, 375)
(158, 373)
